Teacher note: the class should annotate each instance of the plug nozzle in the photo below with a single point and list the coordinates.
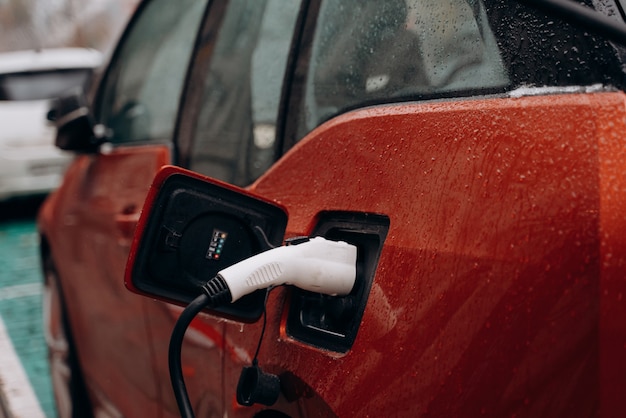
(318, 265)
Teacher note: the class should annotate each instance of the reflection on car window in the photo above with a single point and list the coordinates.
(368, 51)
(41, 85)
(142, 90)
(235, 134)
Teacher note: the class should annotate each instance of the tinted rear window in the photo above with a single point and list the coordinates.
(543, 50)
(41, 85)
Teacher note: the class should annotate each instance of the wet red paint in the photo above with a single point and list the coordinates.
(490, 296)
(500, 288)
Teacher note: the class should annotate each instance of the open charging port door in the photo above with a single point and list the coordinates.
(190, 228)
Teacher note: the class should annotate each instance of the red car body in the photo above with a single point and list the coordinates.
(499, 290)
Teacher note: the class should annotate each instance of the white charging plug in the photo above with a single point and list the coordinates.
(317, 265)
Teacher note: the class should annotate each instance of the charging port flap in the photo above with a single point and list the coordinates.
(331, 322)
(191, 227)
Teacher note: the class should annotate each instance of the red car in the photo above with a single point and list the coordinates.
(474, 150)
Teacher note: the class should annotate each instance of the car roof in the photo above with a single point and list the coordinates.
(49, 59)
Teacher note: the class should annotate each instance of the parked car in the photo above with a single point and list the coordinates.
(30, 164)
(473, 151)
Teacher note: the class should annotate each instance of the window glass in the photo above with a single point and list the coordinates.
(371, 51)
(41, 85)
(235, 131)
(142, 90)
(543, 50)
(366, 52)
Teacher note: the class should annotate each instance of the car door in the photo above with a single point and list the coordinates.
(89, 223)
(410, 129)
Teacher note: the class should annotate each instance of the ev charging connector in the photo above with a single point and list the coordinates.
(316, 264)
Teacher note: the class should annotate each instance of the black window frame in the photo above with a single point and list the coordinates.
(191, 97)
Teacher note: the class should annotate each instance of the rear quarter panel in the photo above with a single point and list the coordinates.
(500, 286)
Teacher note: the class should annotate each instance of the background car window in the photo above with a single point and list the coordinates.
(41, 85)
(235, 131)
(367, 51)
(141, 93)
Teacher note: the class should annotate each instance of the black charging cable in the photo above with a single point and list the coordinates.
(314, 264)
(215, 293)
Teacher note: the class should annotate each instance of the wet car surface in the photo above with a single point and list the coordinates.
(472, 149)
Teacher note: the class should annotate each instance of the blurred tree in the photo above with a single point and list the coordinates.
(28, 24)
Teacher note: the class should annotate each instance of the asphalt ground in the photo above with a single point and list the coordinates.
(25, 386)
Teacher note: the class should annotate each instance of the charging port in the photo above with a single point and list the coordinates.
(332, 322)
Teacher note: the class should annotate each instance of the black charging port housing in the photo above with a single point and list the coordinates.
(193, 228)
(331, 322)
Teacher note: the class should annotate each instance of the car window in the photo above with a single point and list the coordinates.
(542, 50)
(42, 85)
(367, 51)
(141, 92)
(234, 136)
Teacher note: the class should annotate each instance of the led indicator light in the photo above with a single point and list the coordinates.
(218, 239)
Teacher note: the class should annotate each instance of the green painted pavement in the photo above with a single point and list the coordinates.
(20, 304)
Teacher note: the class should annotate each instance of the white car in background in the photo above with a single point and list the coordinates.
(30, 164)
